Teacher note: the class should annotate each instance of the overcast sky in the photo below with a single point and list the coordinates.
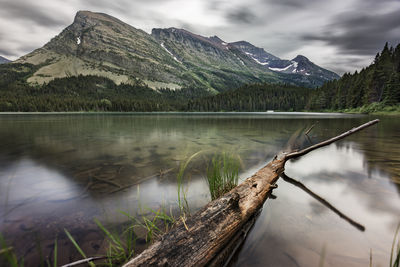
(341, 35)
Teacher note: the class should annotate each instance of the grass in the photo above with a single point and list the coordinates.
(55, 253)
(223, 174)
(8, 253)
(395, 252)
(77, 246)
(160, 223)
(122, 245)
(119, 251)
(182, 196)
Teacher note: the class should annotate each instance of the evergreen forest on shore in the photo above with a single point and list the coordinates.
(374, 88)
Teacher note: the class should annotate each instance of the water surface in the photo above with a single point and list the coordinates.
(62, 170)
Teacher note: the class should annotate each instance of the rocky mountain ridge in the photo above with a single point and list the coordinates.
(298, 65)
(99, 44)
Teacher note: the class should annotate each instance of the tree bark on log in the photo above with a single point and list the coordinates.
(211, 229)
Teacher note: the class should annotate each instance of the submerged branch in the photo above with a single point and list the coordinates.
(323, 201)
(309, 129)
(297, 154)
(75, 263)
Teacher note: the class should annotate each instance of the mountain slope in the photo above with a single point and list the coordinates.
(98, 44)
(3, 60)
(215, 63)
(298, 65)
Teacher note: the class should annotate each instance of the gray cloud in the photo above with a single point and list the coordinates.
(363, 34)
(22, 10)
(6, 52)
(241, 15)
(344, 64)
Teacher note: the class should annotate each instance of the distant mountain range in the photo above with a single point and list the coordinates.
(99, 44)
(3, 60)
(298, 65)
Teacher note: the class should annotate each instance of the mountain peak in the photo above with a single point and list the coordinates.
(3, 60)
(84, 14)
(301, 58)
(216, 39)
(243, 43)
(258, 54)
(85, 18)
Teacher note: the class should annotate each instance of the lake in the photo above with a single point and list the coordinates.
(60, 171)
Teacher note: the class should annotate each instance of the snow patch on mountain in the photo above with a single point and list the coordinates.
(241, 61)
(169, 52)
(281, 69)
(255, 59)
(291, 67)
(259, 62)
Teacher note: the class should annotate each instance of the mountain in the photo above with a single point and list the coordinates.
(373, 88)
(298, 65)
(213, 62)
(99, 44)
(259, 55)
(3, 60)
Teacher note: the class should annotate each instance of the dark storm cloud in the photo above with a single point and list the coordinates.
(241, 15)
(360, 34)
(28, 11)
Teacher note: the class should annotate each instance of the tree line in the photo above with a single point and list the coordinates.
(377, 83)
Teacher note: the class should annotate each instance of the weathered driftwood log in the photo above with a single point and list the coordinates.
(212, 228)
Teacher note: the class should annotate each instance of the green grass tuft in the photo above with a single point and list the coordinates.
(182, 199)
(7, 252)
(77, 246)
(395, 252)
(223, 174)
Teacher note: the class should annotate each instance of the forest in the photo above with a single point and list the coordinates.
(377, 83)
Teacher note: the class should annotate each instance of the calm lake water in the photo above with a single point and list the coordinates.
(63, 170)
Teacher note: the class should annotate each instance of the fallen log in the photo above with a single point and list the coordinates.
(205, 235)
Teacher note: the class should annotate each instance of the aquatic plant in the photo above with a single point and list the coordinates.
(55, 252)
(182, 196)
(77, 246)
(8, 254)
(223, 174)
(154, 226)
(119, 251)
(395, 252)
